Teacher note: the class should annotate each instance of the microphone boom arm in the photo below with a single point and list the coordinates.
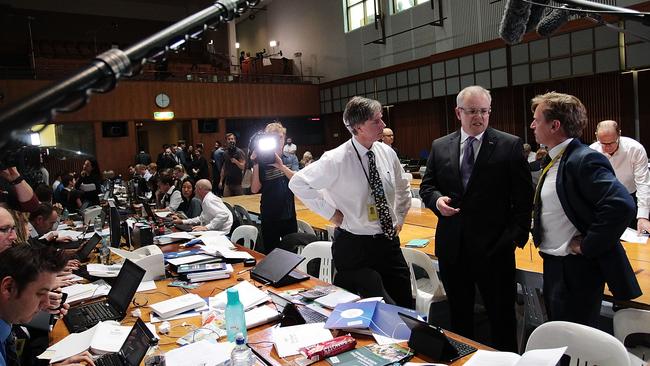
(103, 72)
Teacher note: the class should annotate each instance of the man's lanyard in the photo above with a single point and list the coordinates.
(542, 176)
(361, 162)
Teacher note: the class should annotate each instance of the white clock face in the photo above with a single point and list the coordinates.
(162, 100)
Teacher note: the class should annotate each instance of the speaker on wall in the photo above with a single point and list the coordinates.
(208, 125)
(115, 129)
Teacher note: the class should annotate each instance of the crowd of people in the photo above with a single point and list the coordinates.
(477, 181)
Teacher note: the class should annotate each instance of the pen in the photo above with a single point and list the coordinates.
(244, 271)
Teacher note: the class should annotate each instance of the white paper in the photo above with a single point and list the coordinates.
(102, 270)
(423, 364)
(631, 236)
(75, 235)
(78, 292)
(178, 235)
(199, 353)
(104, 337)
(146, 286)
(216, 240)
(288, 340)
(189, 314)
(249, 296)
(188, 259)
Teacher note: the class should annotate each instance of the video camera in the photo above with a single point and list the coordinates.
(265, 147)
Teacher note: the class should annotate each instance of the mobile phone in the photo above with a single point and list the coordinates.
(64, 296)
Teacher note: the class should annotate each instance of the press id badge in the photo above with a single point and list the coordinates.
(372, 212)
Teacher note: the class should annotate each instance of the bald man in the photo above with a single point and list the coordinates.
(214, 215)
(388, 137)
(630, 162)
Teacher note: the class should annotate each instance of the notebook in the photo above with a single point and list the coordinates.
(133, 350)
(80, 318)
(276, 269)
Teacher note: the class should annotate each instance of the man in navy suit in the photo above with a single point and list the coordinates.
(581, 210)
(477, 182)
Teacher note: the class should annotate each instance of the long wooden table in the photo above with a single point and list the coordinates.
(420, 223)
(260, 336)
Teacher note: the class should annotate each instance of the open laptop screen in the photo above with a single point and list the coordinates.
(125, 285)
(276, 265)
(137, 343)
(88, 247)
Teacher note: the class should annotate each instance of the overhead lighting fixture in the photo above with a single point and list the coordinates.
(237, 45)
(273, 43)
(163, 115)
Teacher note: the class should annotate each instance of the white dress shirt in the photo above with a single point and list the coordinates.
(557, 229)
(630, 163)
(175, 198)
(290, 149)
(214, 215)
(337, 181)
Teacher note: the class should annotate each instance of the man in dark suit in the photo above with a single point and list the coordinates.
(581, 210)
(477, 182)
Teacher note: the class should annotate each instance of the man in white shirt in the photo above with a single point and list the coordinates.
(361, 187)
(171, 196)
(290, 148)
(214, 215)
(630, 162)
(580, 210)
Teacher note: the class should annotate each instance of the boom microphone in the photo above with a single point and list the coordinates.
(514, 22)
(552, 22)
(536, 14)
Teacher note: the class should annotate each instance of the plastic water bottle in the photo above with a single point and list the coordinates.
(65, 214)
(98, 224)
(241, 355)
(104, 252)
(155, 357)
(235, 319)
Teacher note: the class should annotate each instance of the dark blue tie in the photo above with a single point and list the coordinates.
(468, 160)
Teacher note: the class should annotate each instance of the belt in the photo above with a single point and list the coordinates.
(373, 236)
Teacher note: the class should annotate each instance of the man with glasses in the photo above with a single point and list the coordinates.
(388, 138)
(477, 182)
(630, 162)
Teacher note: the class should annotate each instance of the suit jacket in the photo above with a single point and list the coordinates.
(495, 207)
(600, 207)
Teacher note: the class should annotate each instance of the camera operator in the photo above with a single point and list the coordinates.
(15, 191)
(272, 169)
(232, 170)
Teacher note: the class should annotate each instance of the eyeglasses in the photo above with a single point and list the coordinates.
(476, 111)
(608, 144)
(8, 229)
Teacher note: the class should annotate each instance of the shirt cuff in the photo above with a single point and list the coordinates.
(642, 213)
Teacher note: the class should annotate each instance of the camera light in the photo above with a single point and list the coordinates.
(267, 144)
(273, 43)
(35, 139)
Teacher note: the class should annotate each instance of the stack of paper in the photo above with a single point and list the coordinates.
(200, 353)
(249, 296)
(538, 357)
(168, 308)
(102, 270)
(105, 337)
(288, 340)
(337, 297)
(79, 292)
(220, 271)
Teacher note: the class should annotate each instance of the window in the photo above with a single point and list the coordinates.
(359, 13)
(399, 5)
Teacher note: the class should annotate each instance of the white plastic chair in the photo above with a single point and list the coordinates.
(425, 290)
(246, 232)
(416, 202)
(415, 192)
(304, 227)
(323, 251)
(586, 345)
(631, 321)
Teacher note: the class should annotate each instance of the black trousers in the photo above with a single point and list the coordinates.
(495, 279)
(573, 289)
(273, 230)
(372, 266)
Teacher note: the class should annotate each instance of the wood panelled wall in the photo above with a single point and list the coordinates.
(133, 100)
(606, 96)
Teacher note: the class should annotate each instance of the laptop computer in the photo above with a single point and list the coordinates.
(292, 314)
(432, 341)
(133, 350)
(80, 318)
(276, 269)
(88, 247)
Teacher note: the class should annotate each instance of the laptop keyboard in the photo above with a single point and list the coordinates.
(311, 315)
(462, 348)
(109, 359)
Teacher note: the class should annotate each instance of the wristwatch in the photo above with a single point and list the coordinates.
(17, 180)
